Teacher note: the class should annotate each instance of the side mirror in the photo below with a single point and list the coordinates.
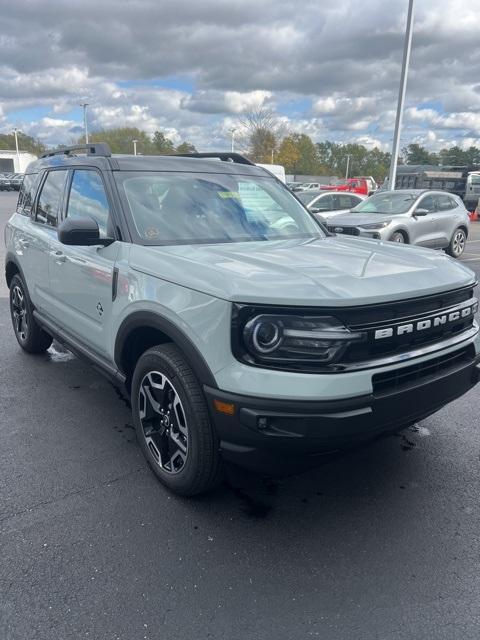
(315, 210)
(82, 232)
(421, 212)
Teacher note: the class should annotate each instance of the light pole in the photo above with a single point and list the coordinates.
(15, 133)
(134, 147)
(401, 97)
(85, 105)
(272, 153)
(232, 131)
(349, 155)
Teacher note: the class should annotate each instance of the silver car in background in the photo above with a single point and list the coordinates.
(324, 204)
(434, 219)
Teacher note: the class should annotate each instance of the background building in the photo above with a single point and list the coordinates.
(11, 162)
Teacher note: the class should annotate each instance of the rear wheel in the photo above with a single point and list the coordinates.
(172, 422)
(30, 336)
(457, 243)
(398, 237)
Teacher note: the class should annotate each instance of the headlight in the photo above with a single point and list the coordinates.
(293, 339)
(375, 225)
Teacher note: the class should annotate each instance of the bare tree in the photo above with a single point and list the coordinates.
(263, 131)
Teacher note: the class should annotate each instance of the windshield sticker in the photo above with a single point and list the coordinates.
(152, 233)
(229, 194)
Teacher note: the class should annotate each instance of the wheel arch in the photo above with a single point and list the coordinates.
(405, 234)
(144, 329)
(12, 268)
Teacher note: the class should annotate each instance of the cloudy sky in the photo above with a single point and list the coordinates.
(329, 68)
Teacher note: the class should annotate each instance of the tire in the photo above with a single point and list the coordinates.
(398, 236)
(30, 336)
(457, 243)
(172, 422)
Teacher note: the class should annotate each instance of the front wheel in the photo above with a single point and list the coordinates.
(398, 237)
(457, 243)
(172, 422)
(30, 336)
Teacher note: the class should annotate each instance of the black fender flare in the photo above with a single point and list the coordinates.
(153, 320)
(12, 258)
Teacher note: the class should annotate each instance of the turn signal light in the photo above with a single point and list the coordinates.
(224, 407)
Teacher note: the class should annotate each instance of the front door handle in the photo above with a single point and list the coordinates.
(58, 256)
(24, 243)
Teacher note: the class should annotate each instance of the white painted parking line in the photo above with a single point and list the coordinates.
(471, 259)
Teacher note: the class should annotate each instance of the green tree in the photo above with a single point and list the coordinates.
(186, 147)
(162, 145)
(288, 154)
(416, 154)
(25, 143)
(120, 140)
(263, 132)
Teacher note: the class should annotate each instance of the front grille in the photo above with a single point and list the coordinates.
(350, 231)
(422, 372)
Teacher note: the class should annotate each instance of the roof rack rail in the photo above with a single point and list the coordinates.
(94, 149)
(226, 156)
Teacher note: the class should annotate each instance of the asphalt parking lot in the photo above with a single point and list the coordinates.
(381, 543)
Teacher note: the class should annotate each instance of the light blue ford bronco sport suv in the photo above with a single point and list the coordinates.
(242, 330)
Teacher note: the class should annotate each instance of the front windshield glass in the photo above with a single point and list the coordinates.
(388, 202)
(188, 208)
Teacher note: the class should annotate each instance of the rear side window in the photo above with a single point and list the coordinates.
(88, 199)
(445, 203)
(344, 201)
(49, 201)
(26, 194)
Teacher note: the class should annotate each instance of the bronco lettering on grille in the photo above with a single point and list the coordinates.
(428, 323)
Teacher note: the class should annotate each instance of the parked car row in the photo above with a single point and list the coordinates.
(434, 219)
(11, 181)
(364, 185)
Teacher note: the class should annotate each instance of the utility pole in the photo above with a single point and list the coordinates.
(15, 133)
(134, 147)
(272, 154)
(349, 155)
(85, 105)
(232, 131)
(401, 97)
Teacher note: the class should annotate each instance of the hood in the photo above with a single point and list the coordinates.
(352, 219)
(336, 270)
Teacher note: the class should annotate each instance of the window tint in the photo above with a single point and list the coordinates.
(428, 203)
(325, 203)
(88, 199)
(48, 206)
(26, 194)
(344, 201)
(445, 203)
(354, 201)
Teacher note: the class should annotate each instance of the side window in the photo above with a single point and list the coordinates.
(428, 203)
(354, 201)
(26, 194)
(324, 204)
(49, 201)
(88, 199)
(445, 203)
(343, 201)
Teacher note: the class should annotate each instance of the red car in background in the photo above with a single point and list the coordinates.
(362, 184)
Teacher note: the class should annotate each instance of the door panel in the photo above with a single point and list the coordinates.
(81, 277)
(423, 229)
(36, 237)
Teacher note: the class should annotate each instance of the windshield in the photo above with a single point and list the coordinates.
(188, 208)
(306, 196)
(388, 202)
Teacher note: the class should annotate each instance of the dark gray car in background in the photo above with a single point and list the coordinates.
(434, 219)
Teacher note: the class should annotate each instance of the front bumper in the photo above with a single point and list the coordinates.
(282, 436)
